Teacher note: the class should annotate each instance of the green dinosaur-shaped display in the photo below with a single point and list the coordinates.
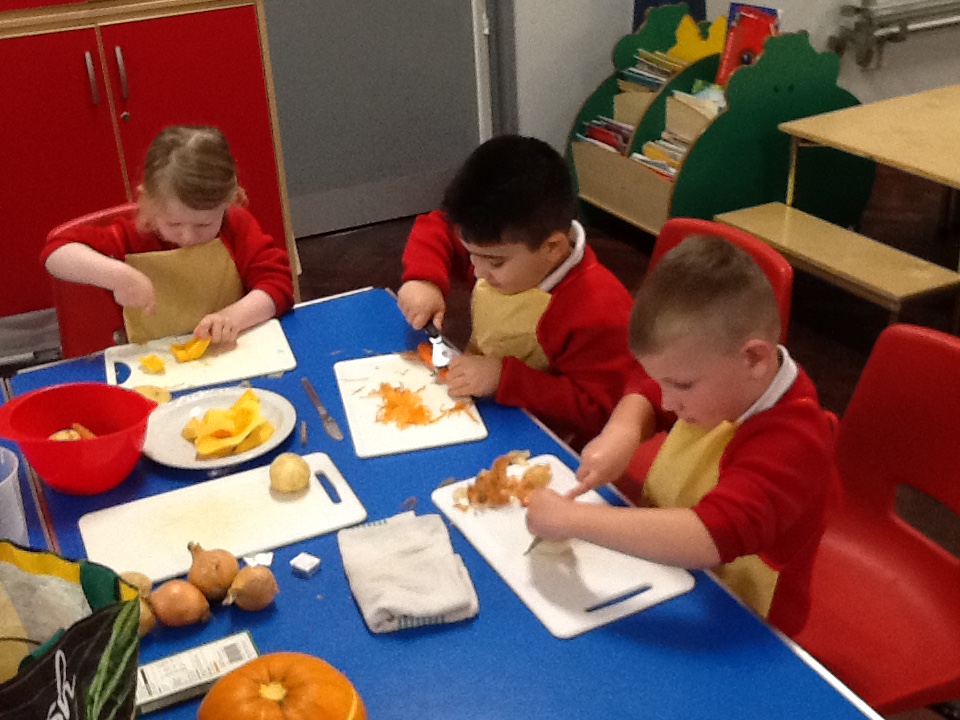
(742, 158)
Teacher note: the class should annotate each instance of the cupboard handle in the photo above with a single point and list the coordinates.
(92, 77)
(122, 69)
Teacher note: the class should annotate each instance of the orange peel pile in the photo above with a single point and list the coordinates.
(192, 349)
(497, 487)
(405, 407)
(229, 431)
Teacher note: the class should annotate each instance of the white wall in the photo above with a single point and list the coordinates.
(564, 50)
(927, 59)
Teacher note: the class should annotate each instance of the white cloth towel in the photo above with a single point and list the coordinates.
(403, 573)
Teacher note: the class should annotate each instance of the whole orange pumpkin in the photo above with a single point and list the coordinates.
(283, 686)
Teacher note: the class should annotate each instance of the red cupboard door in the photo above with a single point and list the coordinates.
(201, 68)
(58, 154)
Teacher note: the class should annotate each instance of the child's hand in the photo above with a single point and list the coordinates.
(473, 375)
(546, 514)
(219, 327)
(421, 301)
(603, 460)
(134, 289)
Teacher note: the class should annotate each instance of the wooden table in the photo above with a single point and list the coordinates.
(698, 655)
(919, 134)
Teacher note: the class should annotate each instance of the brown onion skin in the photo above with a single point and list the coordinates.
(254, 588)
(212, 571)
(177, 603)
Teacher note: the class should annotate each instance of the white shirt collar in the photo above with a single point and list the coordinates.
(579, 239)
(778, 386)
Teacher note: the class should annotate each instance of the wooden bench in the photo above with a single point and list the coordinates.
(866, 268)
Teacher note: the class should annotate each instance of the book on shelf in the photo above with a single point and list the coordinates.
(748, 27)
(610, 132)
(661, 167)
(705, 106)
(662, 60)
(654, 151)
(583, 138)
(637, 77)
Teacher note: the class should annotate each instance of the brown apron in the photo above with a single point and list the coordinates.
(687, 468)
(506, 325)
(189, 283)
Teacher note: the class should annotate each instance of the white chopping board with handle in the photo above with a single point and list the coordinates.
(261, 350)
(238, 513)
(570, 587)
(358, 379)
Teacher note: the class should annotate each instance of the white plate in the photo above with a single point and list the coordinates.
(165, 445)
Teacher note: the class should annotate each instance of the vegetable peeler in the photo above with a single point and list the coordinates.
(442, 352)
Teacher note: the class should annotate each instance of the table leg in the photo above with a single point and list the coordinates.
(792, 174)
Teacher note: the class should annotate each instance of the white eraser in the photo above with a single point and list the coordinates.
(264, 558)
(305, 565)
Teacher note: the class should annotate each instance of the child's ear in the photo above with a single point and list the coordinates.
(557, 245)
(760, 356)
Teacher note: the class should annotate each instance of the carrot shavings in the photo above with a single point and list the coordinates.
(405, 407)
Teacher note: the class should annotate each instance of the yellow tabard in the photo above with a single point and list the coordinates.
(506, 325)
(686, 469)
(189, 283)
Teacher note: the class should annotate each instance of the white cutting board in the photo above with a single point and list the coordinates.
(262, 350)
(238, 513)
(570, 591)
(356, 379)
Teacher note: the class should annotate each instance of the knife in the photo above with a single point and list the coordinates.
(329, 424)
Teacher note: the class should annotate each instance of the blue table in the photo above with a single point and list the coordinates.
(699, 655)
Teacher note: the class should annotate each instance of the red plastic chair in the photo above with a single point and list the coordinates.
(885, 615)
(89, 317)
(778, 271)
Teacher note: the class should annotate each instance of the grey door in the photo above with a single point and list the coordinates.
(378, 102)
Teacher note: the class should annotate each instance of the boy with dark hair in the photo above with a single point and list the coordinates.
(742, 480)
(549, 321)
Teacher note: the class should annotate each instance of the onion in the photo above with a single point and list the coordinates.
(253, 589)
(178, 602)
(141, 582)
(147, 617)
(212, 571)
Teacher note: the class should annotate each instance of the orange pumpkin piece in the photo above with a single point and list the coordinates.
(283, 686)
(153, 364)
(193, 349)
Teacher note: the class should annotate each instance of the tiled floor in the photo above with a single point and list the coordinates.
(831, 332)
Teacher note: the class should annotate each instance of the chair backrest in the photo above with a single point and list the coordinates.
(88, 316)
(900, 427)
(774, 265)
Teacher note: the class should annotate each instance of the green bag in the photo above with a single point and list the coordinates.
(87, 668)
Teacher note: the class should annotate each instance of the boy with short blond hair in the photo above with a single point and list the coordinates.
(741, 482)
(549, 327)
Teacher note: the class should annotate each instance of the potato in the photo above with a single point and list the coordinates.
(289, 473)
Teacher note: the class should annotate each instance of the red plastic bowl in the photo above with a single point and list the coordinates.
(116, 415)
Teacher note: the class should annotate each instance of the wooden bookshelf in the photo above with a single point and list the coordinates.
(741, 158)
